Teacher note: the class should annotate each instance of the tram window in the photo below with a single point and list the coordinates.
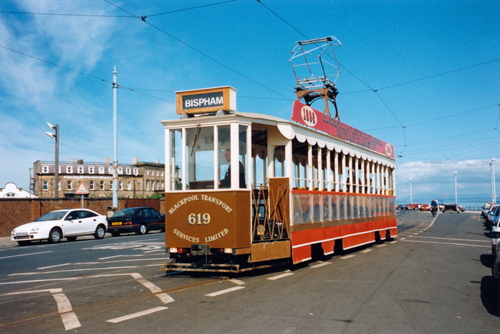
(224, 135)
(243, 129)
(279, 161)
(199, 158)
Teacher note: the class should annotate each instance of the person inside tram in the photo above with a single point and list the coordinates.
(226, 181)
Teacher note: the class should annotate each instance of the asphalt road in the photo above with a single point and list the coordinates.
(433, 278)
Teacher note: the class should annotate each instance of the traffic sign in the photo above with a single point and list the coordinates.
(82, 189)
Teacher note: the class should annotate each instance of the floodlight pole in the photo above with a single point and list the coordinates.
(493, 182)
(115, 143)
(411, 193)
(456, 200)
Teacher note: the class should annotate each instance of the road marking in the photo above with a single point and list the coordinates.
(280, 276)
(454, 239)
(345, 257)
(366, 251)
(446, 243)
(237, 282)
(115, 256)
(321, 264)
(221, 292)
(70, 270)
(379, 246)
(137, 314)
(68, 317)
(54, 266)
(41, 280)
(29, 254)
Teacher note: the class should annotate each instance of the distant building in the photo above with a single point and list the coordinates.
(12, 191)
(137, 180)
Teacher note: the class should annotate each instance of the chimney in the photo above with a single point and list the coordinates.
(106, 161)
(135, 161)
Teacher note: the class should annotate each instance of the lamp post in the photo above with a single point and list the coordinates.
(455, 172)
(411, 195)
(115, 143)
(493, 182)
(55, 135)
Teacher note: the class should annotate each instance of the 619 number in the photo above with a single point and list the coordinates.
(199, 219)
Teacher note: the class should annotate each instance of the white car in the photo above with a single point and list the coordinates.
(55, 225)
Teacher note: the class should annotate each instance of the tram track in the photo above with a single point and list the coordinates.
(99, 307)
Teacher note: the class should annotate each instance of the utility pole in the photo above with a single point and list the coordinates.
(115, 143)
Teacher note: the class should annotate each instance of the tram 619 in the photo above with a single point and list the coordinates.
(247, 190)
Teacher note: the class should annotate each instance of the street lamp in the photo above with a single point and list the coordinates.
(55, 135)
(411, 195)
(455, 172)
(493, 182)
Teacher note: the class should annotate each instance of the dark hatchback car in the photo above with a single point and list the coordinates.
(139, 220)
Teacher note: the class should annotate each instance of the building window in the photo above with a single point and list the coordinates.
(91, 170)
(59, 185)
(69, 185)
(120, 170)
(101, 185)
(136, 171)
(147, 171)
(45, 185)
(128, 170)
(101, 170)
(120, 185)
(69, 169)
(92, 185)
(157, 173)
(110, 170)
(147, 185)
(110, 185)
(129, 185)
(45, 169)
(80, 169)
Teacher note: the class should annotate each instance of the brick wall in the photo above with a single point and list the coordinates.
(14, 212)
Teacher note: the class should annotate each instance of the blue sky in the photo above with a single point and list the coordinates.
(421, 75)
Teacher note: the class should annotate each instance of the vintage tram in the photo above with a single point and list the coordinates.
(248, 190)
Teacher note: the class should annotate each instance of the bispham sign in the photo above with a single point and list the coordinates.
(313, 118)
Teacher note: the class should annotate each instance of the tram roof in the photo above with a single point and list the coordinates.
(290, 130)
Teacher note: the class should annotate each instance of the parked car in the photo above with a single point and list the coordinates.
(140, 220)
(55, 225)
(425, 207)
(492, 215)
(411, 206)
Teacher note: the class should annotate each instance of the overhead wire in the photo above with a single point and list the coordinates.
(79, 72)
(143, 19)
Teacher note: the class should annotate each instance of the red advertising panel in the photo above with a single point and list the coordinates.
(313, 118)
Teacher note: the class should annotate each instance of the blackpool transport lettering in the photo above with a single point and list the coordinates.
(207, 198)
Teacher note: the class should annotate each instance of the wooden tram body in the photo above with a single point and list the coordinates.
(304, 193)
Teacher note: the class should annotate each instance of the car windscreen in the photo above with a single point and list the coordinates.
(54, 215)
(125, 213)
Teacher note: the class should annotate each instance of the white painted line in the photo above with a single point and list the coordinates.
(237, 282)
(319, 265)
(115, 256)
(394, 241)
(280, 276)
(366, 251)
(137, 315)
(41, 280)
(8, 257)
(345, 257)
(70, 321)
(32, 291)
(164, 297)
(379, 246)
(218, 293)
(454, 239)
(70, 270)
(54, 266)
(446, 243)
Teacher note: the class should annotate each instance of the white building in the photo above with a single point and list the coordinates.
(12, 191)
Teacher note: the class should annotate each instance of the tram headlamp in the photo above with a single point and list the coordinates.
(172, 250)
(228, 250)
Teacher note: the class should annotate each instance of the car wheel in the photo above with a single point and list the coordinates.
(100, 231)
(55, 236)
(24, 243)
(115, 233)
(142, 229)
(71, 238)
